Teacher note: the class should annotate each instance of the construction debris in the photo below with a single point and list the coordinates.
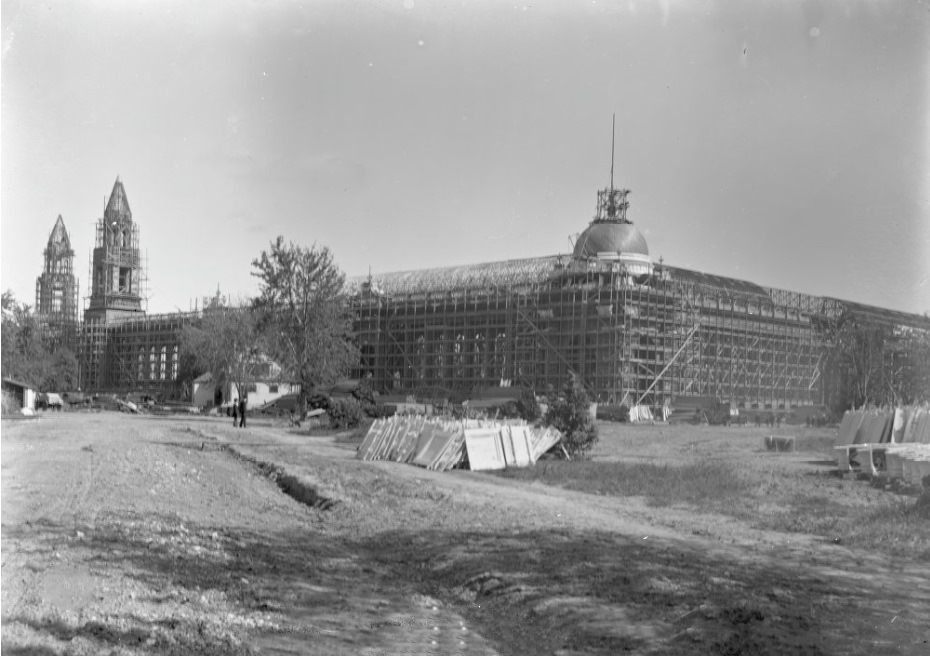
(640, 413)
(443, 445)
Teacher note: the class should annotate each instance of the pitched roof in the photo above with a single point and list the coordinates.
(18, 383)
(118, 205)
(59, 235)
(482, 275)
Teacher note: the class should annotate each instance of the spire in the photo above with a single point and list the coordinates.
(612, 204)
(118, 205)
(59, 235)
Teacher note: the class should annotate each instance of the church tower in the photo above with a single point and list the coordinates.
(117, 273)
(56, 287)
(117, 277)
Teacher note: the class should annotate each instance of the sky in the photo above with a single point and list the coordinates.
(782, 142)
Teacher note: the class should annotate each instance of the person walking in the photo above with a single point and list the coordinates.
(242, 404)
(235, 411)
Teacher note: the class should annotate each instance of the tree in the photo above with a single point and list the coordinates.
(570, 414)
(870, 363)
(189, 369)
(223, 342)
(62, 370)
(26, 353)
(912, 366)
(304, 313)
(857, 361)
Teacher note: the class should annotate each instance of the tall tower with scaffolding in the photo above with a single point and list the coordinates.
(117, 271)
(57, 287)
(117, 275)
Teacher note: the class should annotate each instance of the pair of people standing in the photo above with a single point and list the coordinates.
(238, 411)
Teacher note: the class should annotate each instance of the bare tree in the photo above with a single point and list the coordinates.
(912, 366)
(224, 342)
(878, 364)
(858, 354)
(305, 317)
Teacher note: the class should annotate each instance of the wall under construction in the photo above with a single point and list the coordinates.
(446, 333)
(143, 355)
(634, 332)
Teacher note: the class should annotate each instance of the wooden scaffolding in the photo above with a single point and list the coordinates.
(676, 333)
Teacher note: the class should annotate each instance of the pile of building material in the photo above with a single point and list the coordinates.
(640, 413)
(442, 445)
(895, 443)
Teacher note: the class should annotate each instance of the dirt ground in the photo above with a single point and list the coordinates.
(143, 535)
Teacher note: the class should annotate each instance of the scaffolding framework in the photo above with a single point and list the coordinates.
(630, 330)
(117, 291)
(143, 355)
(57, 290)
(449, 332)
(118, 271)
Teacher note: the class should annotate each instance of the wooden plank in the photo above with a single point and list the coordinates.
(484, 449)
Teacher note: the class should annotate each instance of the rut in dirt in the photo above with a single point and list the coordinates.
(299, 490)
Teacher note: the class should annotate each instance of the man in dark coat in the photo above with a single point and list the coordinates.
(235, 411)
(242, 403)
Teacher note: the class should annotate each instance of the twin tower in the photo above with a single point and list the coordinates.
(117, 271)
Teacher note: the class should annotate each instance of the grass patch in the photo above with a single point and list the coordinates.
(354, 435)
(708, 484)
(814, 514)
(902, 528)
(898, 526)
(892, 524)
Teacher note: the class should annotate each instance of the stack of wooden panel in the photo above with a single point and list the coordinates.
(442, 445)
(895, 443)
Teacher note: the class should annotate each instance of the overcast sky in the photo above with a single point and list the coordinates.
(785, 143)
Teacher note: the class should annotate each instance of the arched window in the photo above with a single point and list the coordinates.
(174, 363)
(421, 357)
(458, 358)
(499, 358)
(480, 356)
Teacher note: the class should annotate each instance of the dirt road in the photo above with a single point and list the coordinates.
(137, 535)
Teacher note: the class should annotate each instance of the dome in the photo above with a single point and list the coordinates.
(610, 237)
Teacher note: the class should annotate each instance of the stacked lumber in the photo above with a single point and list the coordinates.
(910, 424)
(894, 443)
(442, 445)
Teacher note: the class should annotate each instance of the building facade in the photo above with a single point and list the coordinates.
(124, 349)
(632, 330)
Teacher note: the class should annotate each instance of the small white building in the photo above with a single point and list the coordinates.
(205, 393)
(23, 393)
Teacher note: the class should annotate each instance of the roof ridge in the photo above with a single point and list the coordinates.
(118, 206)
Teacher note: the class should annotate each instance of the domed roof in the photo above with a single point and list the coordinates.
(610, 237)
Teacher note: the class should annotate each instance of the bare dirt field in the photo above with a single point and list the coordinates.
(144, 535)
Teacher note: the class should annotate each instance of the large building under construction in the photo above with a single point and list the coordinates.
(120, 347)
(633, 331)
